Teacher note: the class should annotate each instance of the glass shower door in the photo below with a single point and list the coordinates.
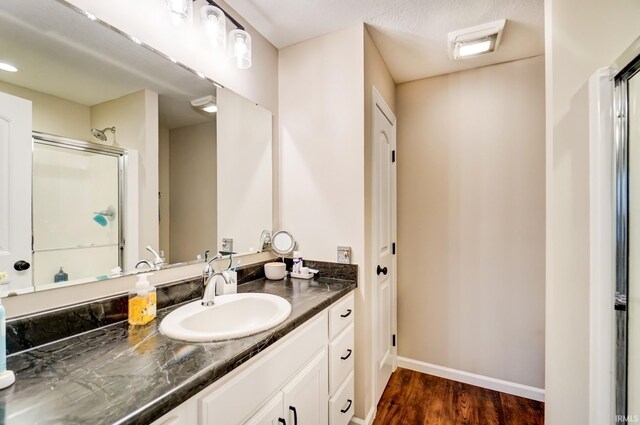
(76, 214)
(633, 290)
(627, 295)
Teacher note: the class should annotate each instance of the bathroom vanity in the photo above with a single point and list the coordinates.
(123, 375)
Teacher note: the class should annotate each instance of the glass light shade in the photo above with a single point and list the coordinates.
(240, 48)
(215, 25)
(181, 11)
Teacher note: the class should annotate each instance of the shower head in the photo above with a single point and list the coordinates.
(100, 134)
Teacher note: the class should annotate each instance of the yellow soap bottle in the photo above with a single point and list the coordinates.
(142, 301)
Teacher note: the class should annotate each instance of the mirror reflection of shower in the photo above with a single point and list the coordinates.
(101, 135)
(104, 217)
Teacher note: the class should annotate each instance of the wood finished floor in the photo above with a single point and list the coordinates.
(416, 398)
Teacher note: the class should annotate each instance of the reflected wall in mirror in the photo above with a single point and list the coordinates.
(128, 151)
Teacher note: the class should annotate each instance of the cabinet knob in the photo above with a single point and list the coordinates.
(382, 270)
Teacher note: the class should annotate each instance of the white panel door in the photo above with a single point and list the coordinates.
(383, 237)
(15, 190)
(306, 396)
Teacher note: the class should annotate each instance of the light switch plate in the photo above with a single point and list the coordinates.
(344, 254)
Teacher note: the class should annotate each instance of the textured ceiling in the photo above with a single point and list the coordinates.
(410, 34)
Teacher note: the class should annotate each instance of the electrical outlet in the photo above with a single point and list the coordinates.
(344, 254)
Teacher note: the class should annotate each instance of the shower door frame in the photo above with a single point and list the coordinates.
(82, 146)
(626, 67)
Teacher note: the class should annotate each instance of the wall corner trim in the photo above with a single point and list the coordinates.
(368, 420)
(508, 387)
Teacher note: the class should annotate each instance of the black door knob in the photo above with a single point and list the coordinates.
(382, 270)
(21, 265)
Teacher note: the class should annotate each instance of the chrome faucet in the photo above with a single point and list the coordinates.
(147, 262)
(265, 241)
(208, 299)
(158, 262)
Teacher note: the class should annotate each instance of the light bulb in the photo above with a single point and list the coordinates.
(240, 48)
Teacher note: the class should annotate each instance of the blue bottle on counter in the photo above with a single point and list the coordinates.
(61, 276)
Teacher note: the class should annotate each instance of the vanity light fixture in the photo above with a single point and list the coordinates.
(207, 104)
(181, 11)
(7, 67)
(475, 41)
(214, 21)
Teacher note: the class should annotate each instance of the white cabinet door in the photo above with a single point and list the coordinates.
(15, 190)
(306, 395)
(271, 413)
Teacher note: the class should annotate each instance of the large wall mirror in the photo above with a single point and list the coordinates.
(126, 149)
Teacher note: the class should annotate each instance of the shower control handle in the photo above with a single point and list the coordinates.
(21, 265)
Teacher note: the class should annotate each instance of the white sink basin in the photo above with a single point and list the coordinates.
(232, 316)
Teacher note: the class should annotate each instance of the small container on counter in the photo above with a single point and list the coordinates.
(142, 301)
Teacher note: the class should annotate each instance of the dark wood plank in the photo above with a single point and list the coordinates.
(416, 398)
(520, 410)
(393, 399)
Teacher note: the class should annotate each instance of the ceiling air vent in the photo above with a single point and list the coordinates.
(475, 41)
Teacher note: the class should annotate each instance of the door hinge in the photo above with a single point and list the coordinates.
(393, 248)
(393, 155)
(393, 340)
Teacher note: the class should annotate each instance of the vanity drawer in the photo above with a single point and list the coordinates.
(341, 406)
(341, 315)
(341, 354)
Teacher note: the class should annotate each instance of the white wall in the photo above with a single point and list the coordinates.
(580, 38)
(135, 117)
(321, 104)
(54, 115)
(165, 191)
(194, 206)
(471, 221)
(244, 165)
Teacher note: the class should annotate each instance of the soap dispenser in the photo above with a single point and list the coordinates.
(142, 301)
(61, 276)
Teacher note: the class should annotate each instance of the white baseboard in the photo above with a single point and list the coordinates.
(520, 390)
(368, 421)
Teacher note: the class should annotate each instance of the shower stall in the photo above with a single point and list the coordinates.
(76, 210)
(627, 235)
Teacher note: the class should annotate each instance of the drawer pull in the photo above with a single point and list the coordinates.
(347, 313)
(346, 409)
(282, 421)
(295, 415)
(347, 356)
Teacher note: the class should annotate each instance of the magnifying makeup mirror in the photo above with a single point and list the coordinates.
(282, 243)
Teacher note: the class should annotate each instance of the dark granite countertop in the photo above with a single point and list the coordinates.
(133, 375)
